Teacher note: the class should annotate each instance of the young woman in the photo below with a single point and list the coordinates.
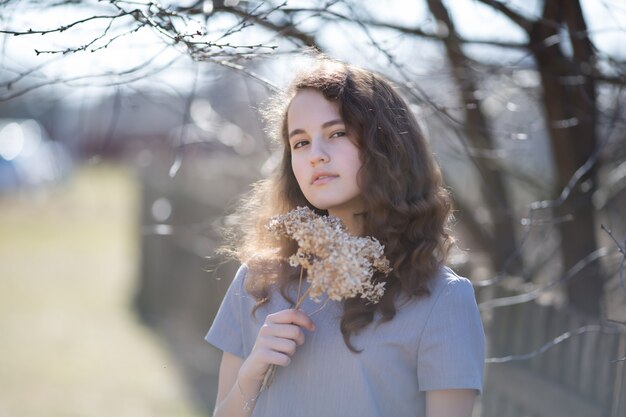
(352, 149)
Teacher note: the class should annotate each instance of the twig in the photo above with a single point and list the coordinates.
(621, 249)
(531, 295)
(65, 27)
(565, 336)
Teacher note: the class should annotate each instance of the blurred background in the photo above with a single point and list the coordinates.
(130, 129)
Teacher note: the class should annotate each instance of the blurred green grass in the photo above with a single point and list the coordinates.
(70, 343)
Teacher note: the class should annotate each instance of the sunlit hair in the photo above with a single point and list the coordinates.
(406, 205)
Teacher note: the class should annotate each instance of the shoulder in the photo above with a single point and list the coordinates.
(241, 274)
(447, 282)
(237, 289)
(450, 295)
(237, 283)
(447, 291)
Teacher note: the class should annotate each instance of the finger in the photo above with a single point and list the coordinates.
(273, 357)
(285, 331)
(292, 316)
(270, 343)
(286, 346)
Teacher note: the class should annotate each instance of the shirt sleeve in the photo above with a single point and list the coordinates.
(451, 351)
(226, 332)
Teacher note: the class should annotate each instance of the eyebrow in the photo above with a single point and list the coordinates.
(324, 126)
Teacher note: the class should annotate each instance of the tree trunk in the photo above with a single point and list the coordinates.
(570, 109)
(503, 245)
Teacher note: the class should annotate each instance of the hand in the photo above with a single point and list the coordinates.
(276, 342)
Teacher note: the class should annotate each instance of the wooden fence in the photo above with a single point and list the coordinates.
(179, 288)
(176, 294)
(583, 375)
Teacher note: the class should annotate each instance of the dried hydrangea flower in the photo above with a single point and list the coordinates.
(337, 263)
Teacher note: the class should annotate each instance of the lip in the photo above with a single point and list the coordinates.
(320, 178)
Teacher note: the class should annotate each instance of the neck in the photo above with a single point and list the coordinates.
(353, 222)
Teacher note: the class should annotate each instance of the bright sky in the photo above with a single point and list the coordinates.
(606, 20)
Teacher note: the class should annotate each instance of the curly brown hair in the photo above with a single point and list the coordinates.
(407, 208)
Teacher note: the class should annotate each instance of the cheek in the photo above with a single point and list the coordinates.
(354, 160)
(357, 174)
(298, 170)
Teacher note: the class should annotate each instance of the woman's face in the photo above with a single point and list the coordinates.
(324, 159)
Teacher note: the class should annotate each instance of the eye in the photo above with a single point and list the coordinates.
(299, 143)
(338, 134)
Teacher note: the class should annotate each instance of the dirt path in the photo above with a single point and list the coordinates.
(70, 344)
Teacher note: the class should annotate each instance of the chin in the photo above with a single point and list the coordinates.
(321, 205)
(332, 204)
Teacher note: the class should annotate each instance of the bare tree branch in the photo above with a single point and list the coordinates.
(591, 328)
(283, 28)
(621, 249)
(535, 293)
(514, 16)
(440, 36)
(133, 74)
(68, 26)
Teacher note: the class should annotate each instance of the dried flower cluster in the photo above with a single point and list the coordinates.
(337, 263)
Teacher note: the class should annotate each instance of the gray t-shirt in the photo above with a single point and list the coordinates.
(434, 342)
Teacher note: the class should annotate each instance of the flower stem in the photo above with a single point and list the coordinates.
(269, 374)
(300, 281)
(301, 299)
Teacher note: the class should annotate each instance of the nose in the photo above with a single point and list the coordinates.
(318, 152)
